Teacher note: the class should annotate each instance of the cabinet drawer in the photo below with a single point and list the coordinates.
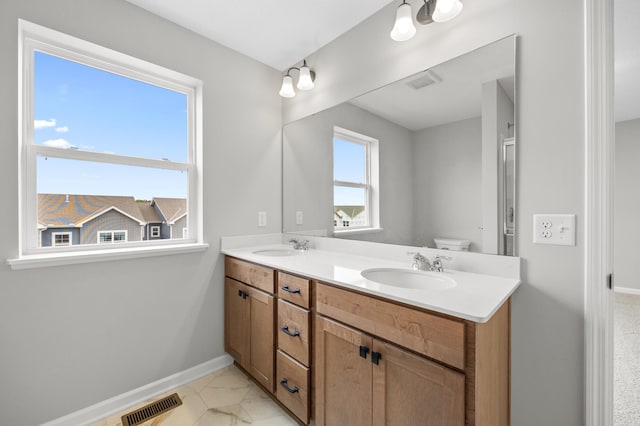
(254, 275)
(294, 331)
(295, 376)
(434, 336)
(294, 289)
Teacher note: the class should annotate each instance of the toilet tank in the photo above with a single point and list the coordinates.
(452, 244)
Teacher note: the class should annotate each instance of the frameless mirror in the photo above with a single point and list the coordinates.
(428, 160)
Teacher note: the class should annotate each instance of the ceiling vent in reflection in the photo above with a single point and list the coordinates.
(427, 78)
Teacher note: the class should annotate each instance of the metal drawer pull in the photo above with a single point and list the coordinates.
(286, 288)
(285, 330)
(283, 382)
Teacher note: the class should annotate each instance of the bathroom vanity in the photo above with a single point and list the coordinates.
(336, 348)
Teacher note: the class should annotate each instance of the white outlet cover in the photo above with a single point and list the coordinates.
(556, 229)
(299, 218)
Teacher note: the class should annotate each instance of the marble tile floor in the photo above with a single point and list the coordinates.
(626, 364)
(224, 398)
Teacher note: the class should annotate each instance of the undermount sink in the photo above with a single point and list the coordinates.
(409, 278)
(275, 252)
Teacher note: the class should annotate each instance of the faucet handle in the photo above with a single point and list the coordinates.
(300, 244)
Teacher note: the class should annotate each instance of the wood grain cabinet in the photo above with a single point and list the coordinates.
(249, 319)
(361, 380)
(382, 363)
(293, 365)
(335, 357)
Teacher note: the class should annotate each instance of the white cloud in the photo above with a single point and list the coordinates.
(62, 129)
(41, 124)
(59, 143)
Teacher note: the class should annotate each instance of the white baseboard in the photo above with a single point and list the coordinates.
(627, 290)
(111, 406)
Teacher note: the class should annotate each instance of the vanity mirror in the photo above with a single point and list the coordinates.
(429, 157)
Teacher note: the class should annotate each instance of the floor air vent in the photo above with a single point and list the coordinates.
(152, 410)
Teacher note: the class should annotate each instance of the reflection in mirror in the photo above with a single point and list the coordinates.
(426, 161)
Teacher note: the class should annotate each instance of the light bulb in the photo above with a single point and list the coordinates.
(304, 80)
(446, 10)
(403, 29)
(286, 91)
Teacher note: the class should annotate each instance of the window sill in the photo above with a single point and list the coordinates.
(72, 258)
(357, 231)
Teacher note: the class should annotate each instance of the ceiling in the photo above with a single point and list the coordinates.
(279, 33)
(457, 95)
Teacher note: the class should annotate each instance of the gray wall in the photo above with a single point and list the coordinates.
(64, 330)
(627, 205)
(547, 374)
(447, 170)
(308, 156)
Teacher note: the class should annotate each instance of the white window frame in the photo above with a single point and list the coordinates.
(155, 231)
(33, 37)
(371, 186)
(113, 241)
(55, 234)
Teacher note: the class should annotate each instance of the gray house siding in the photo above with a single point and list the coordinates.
(110, 221)
(147, 231)
(46, 236)
(178, 227)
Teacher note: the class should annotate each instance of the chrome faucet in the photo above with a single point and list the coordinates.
(420, 262)
(302, 245)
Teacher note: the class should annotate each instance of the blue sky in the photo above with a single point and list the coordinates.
(348, 165)
(80, 107)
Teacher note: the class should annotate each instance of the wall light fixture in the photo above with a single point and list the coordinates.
(306, 77)
(431, 11)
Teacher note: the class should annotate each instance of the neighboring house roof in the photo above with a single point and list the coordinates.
(171, 208)
(350, 211)
(60, 210)
(149, 213)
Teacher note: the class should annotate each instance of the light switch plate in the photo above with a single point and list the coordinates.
(556, 229)
(262, 219)
(299, 218)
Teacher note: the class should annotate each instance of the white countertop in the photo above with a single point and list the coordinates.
(475, 297)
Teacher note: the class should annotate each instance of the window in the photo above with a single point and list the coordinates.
(155, 231)
(61, 239)
(108, 237)
(105, 138)
(355, 181)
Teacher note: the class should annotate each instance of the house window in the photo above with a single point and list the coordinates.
(108, 237)
(61, 239)
(155, 231)
(103, 136)
(355, 181)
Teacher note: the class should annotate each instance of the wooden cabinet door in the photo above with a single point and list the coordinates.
(343, 377)
(409, 390)
(262, 346)
(237, 330)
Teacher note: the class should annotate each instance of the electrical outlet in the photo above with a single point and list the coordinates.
(557, 229)
(262, 219)
(299, 218)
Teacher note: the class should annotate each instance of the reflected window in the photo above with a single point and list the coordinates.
(355, 181)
